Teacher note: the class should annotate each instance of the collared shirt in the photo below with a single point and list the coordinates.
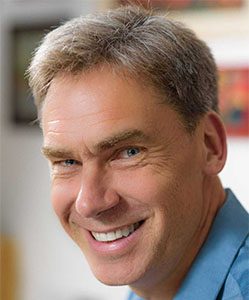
(221, 269)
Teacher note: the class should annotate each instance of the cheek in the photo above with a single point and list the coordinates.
(143, 185)
(63, 195)
(169, 195)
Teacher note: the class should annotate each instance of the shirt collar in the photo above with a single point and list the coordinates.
(209, 270)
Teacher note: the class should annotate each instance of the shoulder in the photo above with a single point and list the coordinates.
(236, 286)
(133, 296)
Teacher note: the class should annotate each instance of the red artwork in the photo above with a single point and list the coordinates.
(234, 100)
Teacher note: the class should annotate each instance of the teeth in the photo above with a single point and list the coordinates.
(102, 236)
(111, 236)
(125, 231)
(118, 234)
(115, 235)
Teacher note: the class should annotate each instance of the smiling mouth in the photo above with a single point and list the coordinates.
(117, 234)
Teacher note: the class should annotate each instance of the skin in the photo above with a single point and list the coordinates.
(169, 179)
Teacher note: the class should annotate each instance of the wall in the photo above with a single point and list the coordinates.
(51, 267)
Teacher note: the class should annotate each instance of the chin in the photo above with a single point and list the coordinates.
(116, 276)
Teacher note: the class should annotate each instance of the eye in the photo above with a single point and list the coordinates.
(65, 167)
(130, 152)
(65, 163)
(69, 162)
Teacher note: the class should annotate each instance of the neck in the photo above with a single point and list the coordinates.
(213, 199)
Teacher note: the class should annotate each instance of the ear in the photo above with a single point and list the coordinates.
(215, 147)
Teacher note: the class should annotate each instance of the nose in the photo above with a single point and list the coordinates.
(95, 196)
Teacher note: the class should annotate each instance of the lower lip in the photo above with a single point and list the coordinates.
(117, 247)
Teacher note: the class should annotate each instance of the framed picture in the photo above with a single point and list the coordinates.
(185, 4)
(234, 100)
(25, 39)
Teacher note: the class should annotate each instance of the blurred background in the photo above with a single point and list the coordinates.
(38, 261)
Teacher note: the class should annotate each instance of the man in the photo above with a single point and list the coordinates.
(128, 108)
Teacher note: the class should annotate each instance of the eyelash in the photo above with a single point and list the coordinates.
(119, 152)
(73, 162)
(63, 163)
(119, 158)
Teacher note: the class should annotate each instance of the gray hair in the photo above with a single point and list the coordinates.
(149, 47)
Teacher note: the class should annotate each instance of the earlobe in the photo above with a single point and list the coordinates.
(214, 143)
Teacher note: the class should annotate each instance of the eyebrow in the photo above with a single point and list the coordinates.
(135, 134)
(56, 153)
(108, 143)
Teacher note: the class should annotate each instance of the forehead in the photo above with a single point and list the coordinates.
(98, 103)
(103, 85)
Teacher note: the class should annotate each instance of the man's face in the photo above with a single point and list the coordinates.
(126, 177)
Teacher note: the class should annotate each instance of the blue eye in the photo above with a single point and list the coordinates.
(128, 153)
(65, 167)
(69, 162)
(132, 151)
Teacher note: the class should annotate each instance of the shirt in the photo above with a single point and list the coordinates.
(221, 269)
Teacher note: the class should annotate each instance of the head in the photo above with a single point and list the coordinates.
(128, 103)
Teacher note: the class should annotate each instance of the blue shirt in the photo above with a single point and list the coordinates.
(221, 269)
